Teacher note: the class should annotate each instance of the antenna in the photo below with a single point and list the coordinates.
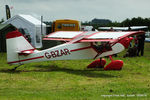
(42, 25)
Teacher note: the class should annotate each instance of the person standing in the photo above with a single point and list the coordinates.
(140, 47)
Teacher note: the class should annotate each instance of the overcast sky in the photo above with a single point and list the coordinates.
(82, 10)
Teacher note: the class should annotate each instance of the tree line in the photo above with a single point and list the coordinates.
(139, 21)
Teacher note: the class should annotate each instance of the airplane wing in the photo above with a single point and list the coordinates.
(124, 28)
(62, 35)
(90, 36)
(114, 28)
(138, 27)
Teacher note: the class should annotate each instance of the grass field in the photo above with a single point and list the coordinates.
(70, 80)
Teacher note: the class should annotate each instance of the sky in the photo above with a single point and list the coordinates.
(82, 10)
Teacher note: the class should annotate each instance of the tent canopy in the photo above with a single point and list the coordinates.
(27, 18)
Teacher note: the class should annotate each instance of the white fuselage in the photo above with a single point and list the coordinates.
(67, 51)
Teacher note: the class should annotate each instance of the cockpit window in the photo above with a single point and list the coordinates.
(102, 46)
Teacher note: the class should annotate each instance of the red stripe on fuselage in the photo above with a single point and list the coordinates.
(26, 60)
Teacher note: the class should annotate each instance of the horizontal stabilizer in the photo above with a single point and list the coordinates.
(26, 52)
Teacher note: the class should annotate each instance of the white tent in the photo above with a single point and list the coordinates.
(30, 25)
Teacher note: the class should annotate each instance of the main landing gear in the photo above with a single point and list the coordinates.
(100, 63)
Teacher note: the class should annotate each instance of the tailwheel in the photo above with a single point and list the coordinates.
(114, 65)
(99, 63)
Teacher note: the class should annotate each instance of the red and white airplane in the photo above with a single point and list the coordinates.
(79, 45)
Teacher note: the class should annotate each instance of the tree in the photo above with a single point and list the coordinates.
(126, 23)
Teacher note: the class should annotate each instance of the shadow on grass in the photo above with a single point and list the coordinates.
(96, 73)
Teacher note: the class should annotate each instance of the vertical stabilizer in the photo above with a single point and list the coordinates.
(16, 43)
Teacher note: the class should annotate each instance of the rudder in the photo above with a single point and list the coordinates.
(16, 43)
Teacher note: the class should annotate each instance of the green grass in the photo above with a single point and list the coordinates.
(70, 80)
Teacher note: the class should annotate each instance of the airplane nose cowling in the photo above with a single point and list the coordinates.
(126, 41)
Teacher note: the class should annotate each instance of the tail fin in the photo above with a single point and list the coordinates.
(16, 45)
